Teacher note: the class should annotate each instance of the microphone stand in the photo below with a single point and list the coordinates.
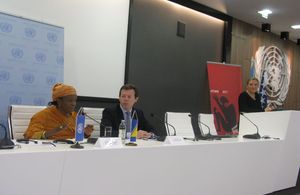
(251, 136)
(208, 136)
(168, 124)
(162, 138)
(196, 122)
(165, 122)
(93, 140)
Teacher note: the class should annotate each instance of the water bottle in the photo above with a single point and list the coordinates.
(122, 131)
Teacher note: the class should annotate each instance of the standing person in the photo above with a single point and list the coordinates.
(250, 100)
(128, 96)
(57, 121)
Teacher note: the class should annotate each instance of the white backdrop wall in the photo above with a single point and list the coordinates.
(95, 39)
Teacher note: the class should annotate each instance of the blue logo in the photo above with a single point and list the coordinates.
(52, 37)
(51, 80)
(4, 76)
(17, 53)
(15, 99)
(40, 57)
(30, 32)
(60, 60)
(28, 78)
(39, 101)
(6, 27)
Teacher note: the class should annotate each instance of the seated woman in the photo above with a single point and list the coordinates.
(250, 100)
(58, 120)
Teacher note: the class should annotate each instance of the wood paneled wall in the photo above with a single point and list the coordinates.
(246, 39)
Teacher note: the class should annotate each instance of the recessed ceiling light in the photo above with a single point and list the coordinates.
(265, 13)
(296, 26)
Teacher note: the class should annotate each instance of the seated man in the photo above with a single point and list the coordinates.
(128, 96)
(58, 120)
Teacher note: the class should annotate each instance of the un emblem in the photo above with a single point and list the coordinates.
(28, 78)
(60, 60)
(80, 128)
(40, 57)
(4, 76)
(51, 80)
(15, 99)
(39, 101)
(30, 32)
(52, 37)
(6, 27)
(17, 53)
(272, 67)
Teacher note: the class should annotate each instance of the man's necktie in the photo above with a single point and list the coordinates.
(127, 121)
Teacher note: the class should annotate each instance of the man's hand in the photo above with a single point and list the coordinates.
(143, 134)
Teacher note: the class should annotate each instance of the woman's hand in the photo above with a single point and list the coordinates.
(88, 130)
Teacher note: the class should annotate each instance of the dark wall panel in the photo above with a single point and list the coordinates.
(169, 70)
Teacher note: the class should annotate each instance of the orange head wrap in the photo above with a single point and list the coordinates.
(61, 90)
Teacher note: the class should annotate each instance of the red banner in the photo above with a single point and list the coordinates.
(225, 84)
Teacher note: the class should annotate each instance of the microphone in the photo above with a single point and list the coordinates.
(251, 136)
(165, 122)
(80, 111)
(93, 140)
(208, 136)
(6, 143)
(85, 114)
(163, 137)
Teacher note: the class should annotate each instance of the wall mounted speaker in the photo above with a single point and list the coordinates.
(266, 27)
(180, 29)
(284, 35)
(298, 41)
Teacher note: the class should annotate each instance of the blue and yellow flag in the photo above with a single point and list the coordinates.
(134, 130)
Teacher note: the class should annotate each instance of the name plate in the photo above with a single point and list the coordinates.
(109, 142)
(174, 140)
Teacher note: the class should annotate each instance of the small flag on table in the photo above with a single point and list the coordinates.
(134, 126)
(79, 133)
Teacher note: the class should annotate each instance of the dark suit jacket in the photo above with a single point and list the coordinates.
(113, 116)
(247, 104)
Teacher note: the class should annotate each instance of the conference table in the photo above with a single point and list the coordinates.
(228, 166)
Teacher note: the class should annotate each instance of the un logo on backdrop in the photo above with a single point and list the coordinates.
(60, 60)
(52, 37)
(28, 78)
(40, 57)
(39, 101)
(6, 27)
(4, 75)
(30, 32)
(50, 80)
(15, 99)
(17, 53)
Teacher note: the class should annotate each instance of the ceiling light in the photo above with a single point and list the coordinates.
(265, 13)
(296, 26)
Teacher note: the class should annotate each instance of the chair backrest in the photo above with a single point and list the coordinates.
(207, 119)
(181, 122)
(95, 113)
(19, 117)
